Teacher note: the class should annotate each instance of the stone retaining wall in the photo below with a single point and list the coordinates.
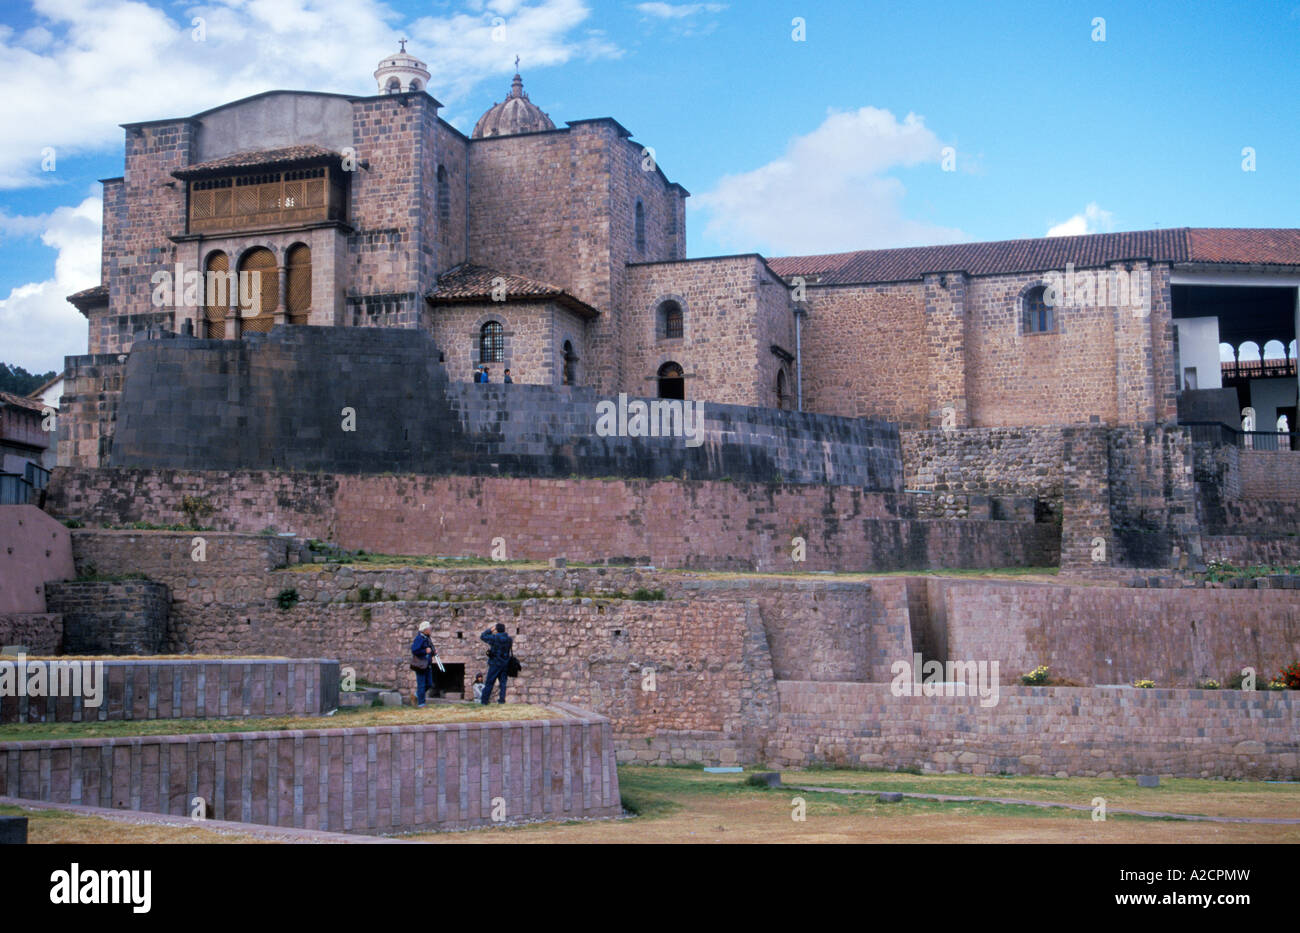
(1270, 474)
(1089, 732)
(375, 780)
(38, 632)
(111, 617)
(670, 523)
(197, 689)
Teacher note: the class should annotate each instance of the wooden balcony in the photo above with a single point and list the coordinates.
(264, 200)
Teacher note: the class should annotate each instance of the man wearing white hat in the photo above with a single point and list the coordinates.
(423, 655)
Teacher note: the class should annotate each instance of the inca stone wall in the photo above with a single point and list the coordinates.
(1270, 474)
(191, 689)
(281, 400)
(1017, 462)
(1098, 732)
(380, 779)
(1113, 635)
(105, 617)
(730, 525)
(38, 632)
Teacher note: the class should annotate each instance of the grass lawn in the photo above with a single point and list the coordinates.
(672, 805)
(688, 805)
(344, 718)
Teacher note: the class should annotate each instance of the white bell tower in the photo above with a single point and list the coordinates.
(402, 73)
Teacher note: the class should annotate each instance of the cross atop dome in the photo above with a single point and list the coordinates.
(516, 114)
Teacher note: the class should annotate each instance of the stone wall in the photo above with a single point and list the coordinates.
(282, 401)
(734, 310)
(380, 779)
(1018, 462)
(1130, 499)
(670, 523)
(103, 617)
(198, 689)
(92, 389)
(1270, 474)
(34, 549)
(851, 334)
(38, 632)
(1116, 635)
(952, 340)
(1097, 732)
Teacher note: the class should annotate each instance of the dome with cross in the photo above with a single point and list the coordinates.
(516, 114)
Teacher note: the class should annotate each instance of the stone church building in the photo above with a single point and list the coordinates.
(560, 253)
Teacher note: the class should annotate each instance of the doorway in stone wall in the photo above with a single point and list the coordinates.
(449, 683)
(672, 381)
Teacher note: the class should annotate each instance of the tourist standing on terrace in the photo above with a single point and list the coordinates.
(499, 648)
(422, 655)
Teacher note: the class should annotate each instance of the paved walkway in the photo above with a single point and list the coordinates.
(257, 830)
(1153, 814)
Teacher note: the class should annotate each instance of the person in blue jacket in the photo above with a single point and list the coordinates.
(422, 654)
(499, 647)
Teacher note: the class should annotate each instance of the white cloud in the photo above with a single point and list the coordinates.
(829, 191)
(1092, 220)
(679, 10)
(90, 65)
(38, 327)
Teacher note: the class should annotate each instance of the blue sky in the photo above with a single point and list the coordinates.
(833, 143)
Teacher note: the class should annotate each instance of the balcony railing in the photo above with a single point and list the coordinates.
(1258, 369)
(1218, 433)
(270, 199)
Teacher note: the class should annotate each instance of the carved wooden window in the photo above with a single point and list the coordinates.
(297, 302)
(217, 287)
(260, 262)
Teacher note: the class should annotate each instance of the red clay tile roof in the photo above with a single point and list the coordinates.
(471, 284)
(18, 401)
(1182, 244)
(259, 158)
(1275, 246)
(88, 298)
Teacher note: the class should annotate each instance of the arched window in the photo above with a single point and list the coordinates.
(260, 262)
(1274, 350)
(492, 343)
(415, 85)
(670, 320)
(1037, 312)
(782, 390)
(640, 226)
(216, 304)
(672, 381)
(394, 86)
(298, 302)
(444, 197)
(570, 374)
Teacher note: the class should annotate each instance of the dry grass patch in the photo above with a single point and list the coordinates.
(55, 827)
(677, 805)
